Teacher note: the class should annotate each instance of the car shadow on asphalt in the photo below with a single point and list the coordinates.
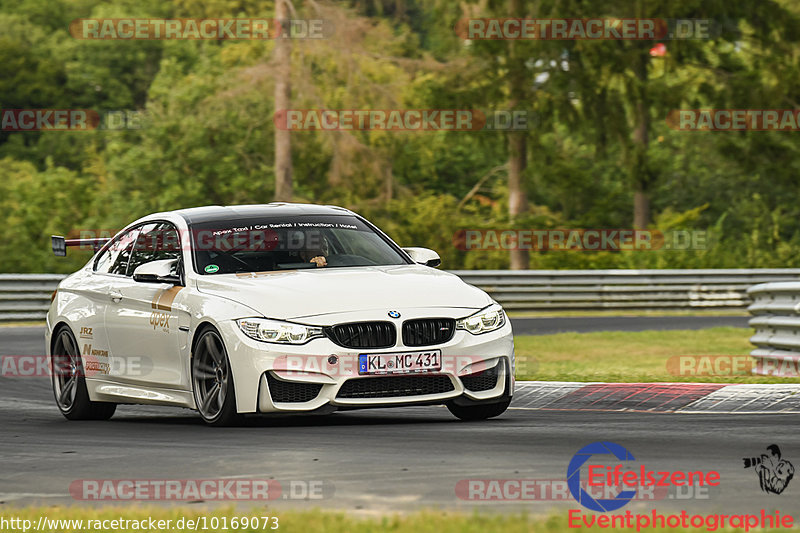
(386, 417)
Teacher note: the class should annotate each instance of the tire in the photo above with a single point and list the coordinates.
(69, 382)
(478, 411)
(212, 380)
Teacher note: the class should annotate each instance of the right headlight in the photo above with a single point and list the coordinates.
(266, 330)
(489, 319)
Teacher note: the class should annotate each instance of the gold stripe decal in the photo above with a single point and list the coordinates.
(163, 300)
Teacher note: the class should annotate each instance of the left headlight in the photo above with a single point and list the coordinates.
(263, 329)
(490, 319)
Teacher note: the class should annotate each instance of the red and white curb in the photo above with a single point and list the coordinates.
(657, 397)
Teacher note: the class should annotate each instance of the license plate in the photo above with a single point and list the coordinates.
(392, 363)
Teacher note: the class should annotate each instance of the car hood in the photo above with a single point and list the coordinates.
(304, 293)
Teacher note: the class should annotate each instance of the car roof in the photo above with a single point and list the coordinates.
(210, 213)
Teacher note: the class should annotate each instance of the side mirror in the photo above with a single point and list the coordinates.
(424, 256)
(163, 271)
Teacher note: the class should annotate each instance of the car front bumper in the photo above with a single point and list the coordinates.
(323, 376)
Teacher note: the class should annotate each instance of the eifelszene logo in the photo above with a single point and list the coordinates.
(774, 473)
(574, 476)
(627, 477)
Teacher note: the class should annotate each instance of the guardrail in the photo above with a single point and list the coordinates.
(776, 319)
(559, 290)
(26, 296)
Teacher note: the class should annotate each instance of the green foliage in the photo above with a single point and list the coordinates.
(207, 135)
(37, 204)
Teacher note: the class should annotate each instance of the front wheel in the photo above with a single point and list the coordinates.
(69, 382)
(212, 380)
(478, 411)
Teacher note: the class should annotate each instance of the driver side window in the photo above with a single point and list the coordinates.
(156, 241)
(114, 260)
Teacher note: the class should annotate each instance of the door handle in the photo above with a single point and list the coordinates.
(115, 296)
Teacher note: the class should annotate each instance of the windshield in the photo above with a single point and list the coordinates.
(263, 244)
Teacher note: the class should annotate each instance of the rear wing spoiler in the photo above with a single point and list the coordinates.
(60, 244)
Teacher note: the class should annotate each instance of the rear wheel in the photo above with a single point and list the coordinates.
(479, 411)
(69, 382)
(212, 380)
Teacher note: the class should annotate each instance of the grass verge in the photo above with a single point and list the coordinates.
(629, 357)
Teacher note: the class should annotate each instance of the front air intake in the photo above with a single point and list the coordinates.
(482, 381)
(291, 391)
(395, 386)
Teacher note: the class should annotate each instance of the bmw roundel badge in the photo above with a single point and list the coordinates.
(394, 314)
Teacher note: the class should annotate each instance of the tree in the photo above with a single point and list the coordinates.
(621, 81)
(517, 140)
(284, 187)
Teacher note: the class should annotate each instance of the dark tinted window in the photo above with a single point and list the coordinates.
(273, 243)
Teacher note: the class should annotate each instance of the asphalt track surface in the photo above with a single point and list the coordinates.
(376, 461)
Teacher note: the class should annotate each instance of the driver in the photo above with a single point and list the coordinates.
(316, 249)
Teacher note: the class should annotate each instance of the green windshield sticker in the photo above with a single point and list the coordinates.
(210, 269)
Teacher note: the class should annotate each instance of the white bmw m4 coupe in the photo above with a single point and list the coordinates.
(277, 308)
